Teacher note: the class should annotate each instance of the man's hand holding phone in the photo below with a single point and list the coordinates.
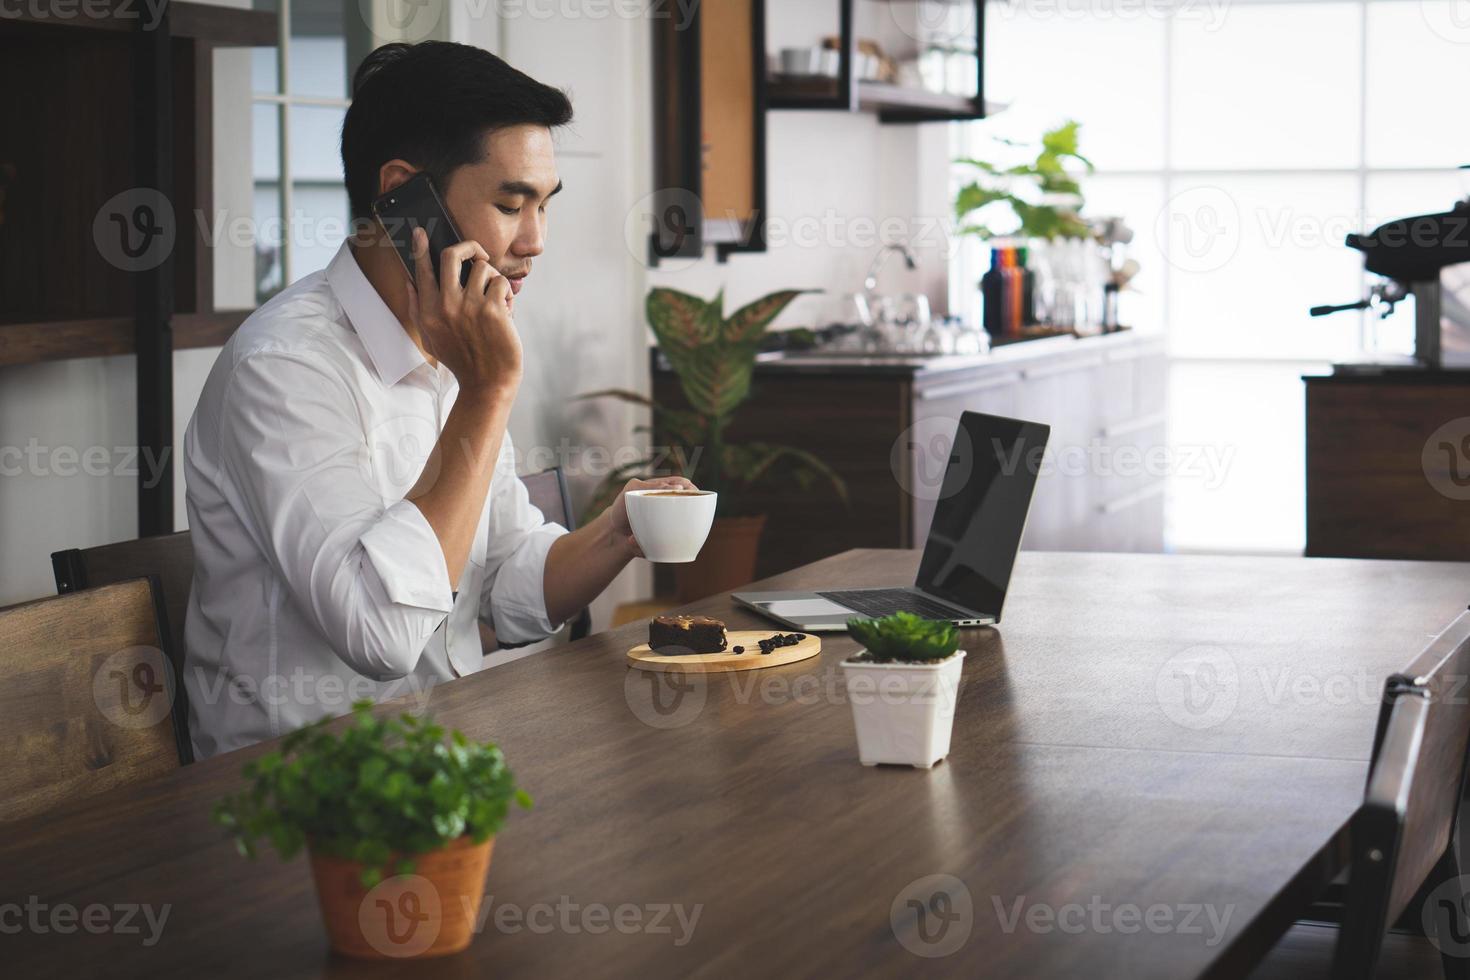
(469, 328)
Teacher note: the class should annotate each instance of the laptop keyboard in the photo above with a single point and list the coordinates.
(885, 602)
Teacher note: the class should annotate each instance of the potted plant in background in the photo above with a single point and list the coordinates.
(903, 687)
(1044, 194)
(390, 797)
(714, 357)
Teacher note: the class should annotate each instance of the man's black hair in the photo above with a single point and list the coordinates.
(432, 104)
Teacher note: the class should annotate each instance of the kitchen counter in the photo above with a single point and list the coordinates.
(1020, 354)
(886, 423)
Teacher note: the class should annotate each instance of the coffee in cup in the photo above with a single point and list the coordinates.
(671, 524)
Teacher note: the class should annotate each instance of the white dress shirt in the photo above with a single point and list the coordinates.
(315, 582)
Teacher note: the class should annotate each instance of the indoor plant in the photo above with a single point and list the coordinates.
(903, 688)
(714, 356)
(1043, 194)
(382, 796)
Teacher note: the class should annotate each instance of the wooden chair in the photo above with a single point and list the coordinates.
(548, 490)
(87, 697)
(168, 557)
(1405, 855)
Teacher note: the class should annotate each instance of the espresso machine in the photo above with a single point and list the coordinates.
(1426, 256)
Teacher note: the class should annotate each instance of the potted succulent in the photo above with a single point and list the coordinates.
(398, 820)
(903, 687)
(714, 357)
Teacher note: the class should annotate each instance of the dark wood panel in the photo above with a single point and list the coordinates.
(1071, 780)
(66, 149)
(849, 423)
(1369, 491)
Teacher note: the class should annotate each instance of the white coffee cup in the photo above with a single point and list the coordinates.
(671, 524)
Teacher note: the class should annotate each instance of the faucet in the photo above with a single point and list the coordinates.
(870, 284)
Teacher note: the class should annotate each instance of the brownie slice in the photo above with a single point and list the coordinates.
(686, 634)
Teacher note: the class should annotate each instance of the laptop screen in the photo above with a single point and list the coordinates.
(981, 510)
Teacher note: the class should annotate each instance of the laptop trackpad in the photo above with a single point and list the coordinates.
(814, 608)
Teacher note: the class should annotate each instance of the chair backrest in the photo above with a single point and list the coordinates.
(86, 696)
(168, 557)
(1403, 835)
(548, 492)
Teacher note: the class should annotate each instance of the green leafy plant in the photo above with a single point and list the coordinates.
(714, 358)
(381, 791)
(904, 638)
(1043, 194)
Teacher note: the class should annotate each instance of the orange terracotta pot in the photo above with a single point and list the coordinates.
(432, 912)
(726, 562)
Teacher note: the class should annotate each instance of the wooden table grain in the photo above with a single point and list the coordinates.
(1153, 761)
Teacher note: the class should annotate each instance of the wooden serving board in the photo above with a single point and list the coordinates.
(644, 658)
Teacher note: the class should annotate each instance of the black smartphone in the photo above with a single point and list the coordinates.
(416, 204)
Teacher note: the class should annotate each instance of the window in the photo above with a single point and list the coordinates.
(299, 100)
(1241, 141)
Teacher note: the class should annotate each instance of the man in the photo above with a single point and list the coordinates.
(351, 486)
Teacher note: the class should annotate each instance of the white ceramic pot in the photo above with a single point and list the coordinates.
(904, 713)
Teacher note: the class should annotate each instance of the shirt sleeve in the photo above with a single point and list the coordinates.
(369, 574)
(513, 597)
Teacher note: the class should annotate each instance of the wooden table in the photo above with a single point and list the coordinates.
(1089, 796)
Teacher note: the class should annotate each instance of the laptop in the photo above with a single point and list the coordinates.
(973, 539)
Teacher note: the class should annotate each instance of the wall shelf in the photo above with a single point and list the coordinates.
(892, 103)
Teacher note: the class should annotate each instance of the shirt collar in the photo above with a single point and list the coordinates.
(393, 352)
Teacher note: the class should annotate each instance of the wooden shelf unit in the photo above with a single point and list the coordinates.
(118, 98)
